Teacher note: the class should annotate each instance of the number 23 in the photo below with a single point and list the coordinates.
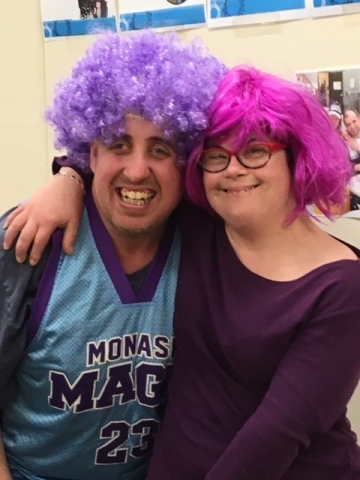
(119, 432)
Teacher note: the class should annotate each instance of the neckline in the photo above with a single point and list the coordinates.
(234, 258)
(113, 266)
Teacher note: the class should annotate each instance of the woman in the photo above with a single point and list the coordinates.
(263, 371)
(268, 340)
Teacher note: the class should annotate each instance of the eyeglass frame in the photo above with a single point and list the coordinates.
(272, 147)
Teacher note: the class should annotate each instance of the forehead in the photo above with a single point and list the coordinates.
(350, 117)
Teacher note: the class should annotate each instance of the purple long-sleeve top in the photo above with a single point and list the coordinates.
(263, 370)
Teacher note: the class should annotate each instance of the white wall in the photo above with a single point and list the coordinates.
(24, 159)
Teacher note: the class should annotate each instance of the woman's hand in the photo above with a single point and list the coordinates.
(58, 204)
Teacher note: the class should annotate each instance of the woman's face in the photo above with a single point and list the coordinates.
(241, 195)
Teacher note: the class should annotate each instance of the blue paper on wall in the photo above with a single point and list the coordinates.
(66, 18)
(225, 13)
(161, 14)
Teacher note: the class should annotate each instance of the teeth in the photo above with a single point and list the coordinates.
(135, 197)
(134, 201)
(243, 189)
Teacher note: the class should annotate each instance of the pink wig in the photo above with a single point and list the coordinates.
(250, 103)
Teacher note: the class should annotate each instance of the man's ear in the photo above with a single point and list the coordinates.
(94, 154)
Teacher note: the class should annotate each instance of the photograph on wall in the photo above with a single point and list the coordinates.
(66, 18)
(227, 13)
(335, 7)
(161, 14)
(338, 91)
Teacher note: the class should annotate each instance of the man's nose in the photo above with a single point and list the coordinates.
(136, 168)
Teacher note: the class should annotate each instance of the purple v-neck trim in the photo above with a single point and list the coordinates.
(114, 268)
(45, 287)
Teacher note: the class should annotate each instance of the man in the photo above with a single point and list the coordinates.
(352, 136)
(86, 340)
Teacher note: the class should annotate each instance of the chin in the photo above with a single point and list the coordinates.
(237, 218)
(135, 229)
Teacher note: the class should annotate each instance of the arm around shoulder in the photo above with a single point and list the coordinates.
(58, 204)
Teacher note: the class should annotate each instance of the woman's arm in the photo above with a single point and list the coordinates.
(309, 391)
(58, 204)
(4, 468)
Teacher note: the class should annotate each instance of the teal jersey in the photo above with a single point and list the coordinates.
(91, 380)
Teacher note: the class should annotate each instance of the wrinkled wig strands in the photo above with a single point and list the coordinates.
(250, 102)
(158, 77)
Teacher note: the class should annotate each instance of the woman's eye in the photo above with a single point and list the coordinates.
(217, 156)
(255, 151)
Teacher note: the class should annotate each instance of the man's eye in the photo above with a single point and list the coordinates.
(161, 152)
(120, 147)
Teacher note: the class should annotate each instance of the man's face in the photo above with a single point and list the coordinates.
(137, 183)
(352, 124)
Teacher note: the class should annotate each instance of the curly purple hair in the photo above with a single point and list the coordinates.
(158, 77)
(251, 102)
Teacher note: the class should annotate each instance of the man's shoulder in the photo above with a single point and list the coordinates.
(7, 257)
(10, 269)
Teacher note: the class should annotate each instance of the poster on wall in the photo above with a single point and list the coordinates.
(334, 7)
(161, 14)
(227, 13)
(338, 90)
(66, 18)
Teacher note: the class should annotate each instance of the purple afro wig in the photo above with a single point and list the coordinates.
(252, 103)
(156, 76)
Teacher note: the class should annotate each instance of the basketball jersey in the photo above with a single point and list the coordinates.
(90, 383)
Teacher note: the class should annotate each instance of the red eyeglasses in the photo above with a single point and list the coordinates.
(255, 155)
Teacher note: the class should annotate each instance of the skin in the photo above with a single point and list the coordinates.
(4, 469)
(272, 194)
(256, 220)
(141, 162)
(352, 124)
(137, 185)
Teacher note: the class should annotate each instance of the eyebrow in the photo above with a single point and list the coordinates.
(162, 140)
(154, 139)
(126, 137)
